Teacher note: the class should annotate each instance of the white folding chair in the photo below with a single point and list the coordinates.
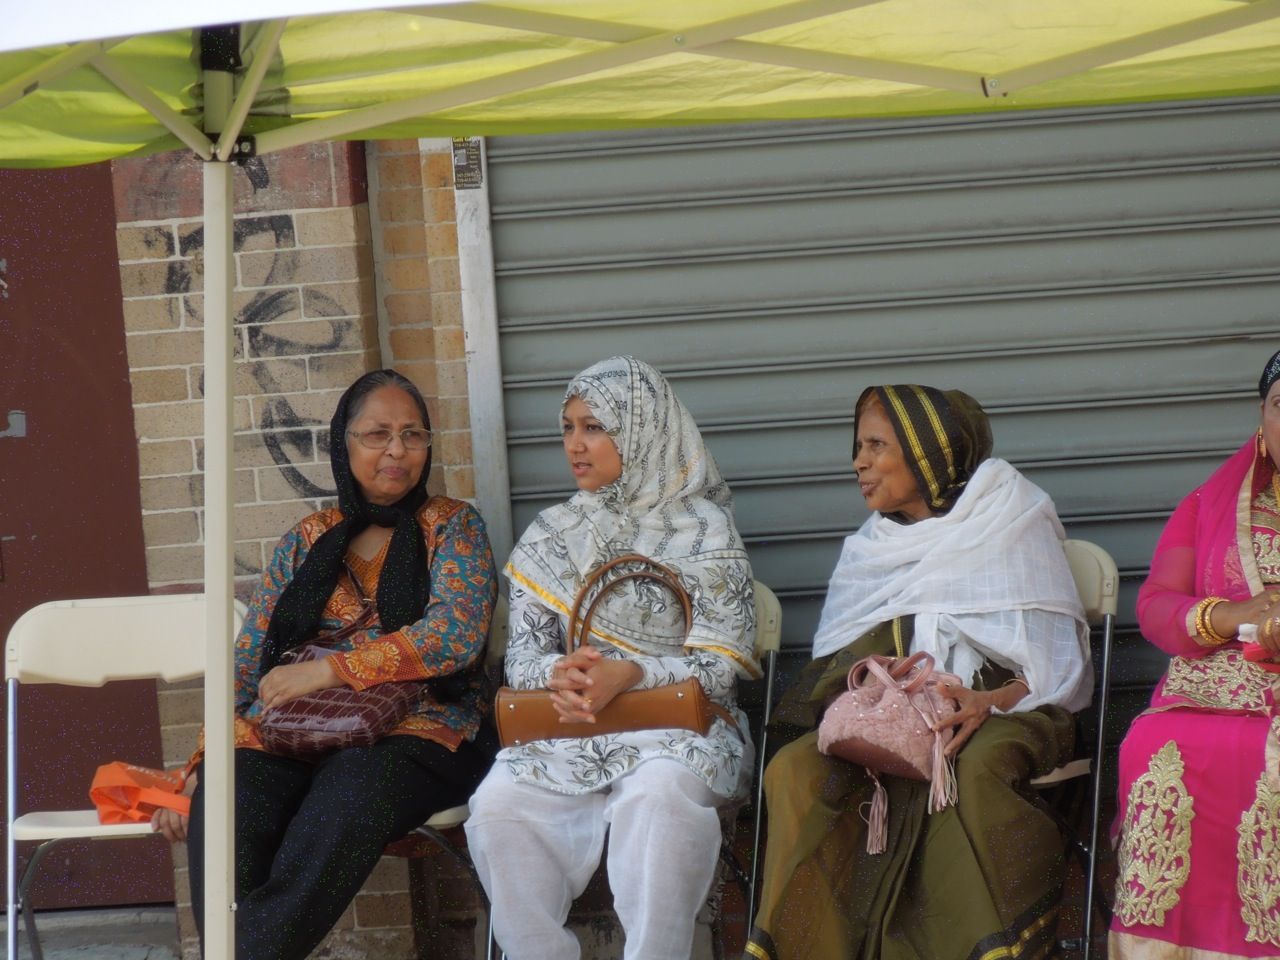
(86, 643)
(433, 831)
(1098, 583)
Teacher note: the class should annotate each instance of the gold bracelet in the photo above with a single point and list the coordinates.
(1204, 622)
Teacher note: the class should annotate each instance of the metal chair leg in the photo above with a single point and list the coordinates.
(442, 842)
(23, 906)
(11, 798)
(771, 669)
(493, 948)
(1108, 626)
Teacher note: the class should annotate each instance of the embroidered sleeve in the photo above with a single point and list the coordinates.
(535, 643)
(288, 556)
(1167, 598)
(452, 634)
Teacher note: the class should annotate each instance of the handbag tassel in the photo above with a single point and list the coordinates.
(942, 785)
(878, 820)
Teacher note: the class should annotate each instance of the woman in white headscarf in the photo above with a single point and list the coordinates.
(646, 485)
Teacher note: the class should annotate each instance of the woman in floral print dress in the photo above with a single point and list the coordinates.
(538, 823)
(308, 834)
(1198, 827)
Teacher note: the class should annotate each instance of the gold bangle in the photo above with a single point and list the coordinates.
(1204, 622)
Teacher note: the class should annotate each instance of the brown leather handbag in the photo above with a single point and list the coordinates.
(317, 724)
(523, 716)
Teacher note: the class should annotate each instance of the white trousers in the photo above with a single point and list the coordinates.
(535, 851)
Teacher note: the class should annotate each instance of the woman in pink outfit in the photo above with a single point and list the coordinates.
(1198, 829)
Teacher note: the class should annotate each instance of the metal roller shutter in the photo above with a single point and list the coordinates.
(1104, 281)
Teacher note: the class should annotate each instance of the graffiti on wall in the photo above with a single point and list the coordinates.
(290, 438)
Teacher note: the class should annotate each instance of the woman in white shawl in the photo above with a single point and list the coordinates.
(647, 485)
(962, 559)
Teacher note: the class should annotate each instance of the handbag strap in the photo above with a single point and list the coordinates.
(916, 669)
(580, 626)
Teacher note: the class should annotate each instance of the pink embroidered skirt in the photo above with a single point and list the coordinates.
(1198, 828)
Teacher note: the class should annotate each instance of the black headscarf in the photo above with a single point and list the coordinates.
(1270, 374)
(944, 436)
(404, 586)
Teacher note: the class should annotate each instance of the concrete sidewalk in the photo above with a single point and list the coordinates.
(133, 933)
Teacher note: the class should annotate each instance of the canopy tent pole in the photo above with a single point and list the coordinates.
(220, 56)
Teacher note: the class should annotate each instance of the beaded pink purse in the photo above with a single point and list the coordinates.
(884, 722)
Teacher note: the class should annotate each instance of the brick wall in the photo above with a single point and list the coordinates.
(305, 327)
(312, 313)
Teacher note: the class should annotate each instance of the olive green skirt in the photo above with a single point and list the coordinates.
(979, 880)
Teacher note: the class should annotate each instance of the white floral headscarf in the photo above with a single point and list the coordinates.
(670, 504)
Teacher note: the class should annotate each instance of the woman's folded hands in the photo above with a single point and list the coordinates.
(584, 682)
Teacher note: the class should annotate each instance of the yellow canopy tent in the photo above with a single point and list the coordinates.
(83, 81)
(553, 65)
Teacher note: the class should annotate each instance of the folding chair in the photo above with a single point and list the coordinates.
(431, 834)
(1098, 583)
(133, 638)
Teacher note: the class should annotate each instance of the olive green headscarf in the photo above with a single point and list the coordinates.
(944, 435)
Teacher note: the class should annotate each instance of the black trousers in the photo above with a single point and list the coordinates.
(308, 835)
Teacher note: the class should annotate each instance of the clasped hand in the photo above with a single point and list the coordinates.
(584, 682)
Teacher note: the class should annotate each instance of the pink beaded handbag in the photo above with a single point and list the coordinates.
(884, 722)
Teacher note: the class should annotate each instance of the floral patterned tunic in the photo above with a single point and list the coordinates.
(450, 637)
(722, 759)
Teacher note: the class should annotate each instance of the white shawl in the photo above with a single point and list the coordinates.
(998, 550)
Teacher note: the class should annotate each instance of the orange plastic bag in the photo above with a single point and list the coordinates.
(124, 793)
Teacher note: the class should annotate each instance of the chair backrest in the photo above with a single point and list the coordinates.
(499, 627)
(1096, 577)
(87, 643)
(768, 620)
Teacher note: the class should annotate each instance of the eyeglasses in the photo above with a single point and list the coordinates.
(413, 438)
